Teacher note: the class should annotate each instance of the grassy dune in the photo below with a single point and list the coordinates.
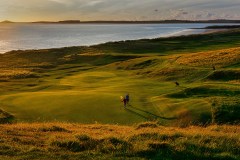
(143, 141)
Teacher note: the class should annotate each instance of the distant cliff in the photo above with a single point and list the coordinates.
(69, 21)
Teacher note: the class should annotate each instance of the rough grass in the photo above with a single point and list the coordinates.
(218, 58)
(96, 141)
(16, 74)
(226, 110)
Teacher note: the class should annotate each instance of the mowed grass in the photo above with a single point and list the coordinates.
(79, 93)
(88, 97)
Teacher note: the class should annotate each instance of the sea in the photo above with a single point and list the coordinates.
(25, 36)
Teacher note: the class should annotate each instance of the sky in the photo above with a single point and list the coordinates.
(89, 10)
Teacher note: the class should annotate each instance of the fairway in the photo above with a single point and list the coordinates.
(94, 96)
(89, 97)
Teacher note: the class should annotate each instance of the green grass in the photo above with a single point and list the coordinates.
(193, 43)
(83, 84)
(85, 97)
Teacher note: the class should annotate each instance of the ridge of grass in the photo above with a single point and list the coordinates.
(71, 141)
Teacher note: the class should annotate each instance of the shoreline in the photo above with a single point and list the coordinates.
(186, 32)
(203, 31)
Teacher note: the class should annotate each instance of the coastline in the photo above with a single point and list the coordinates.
(190, 32)
(186, 32)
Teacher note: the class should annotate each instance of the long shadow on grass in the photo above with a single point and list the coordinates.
(136, 113)
(7, 118)
(154, 115)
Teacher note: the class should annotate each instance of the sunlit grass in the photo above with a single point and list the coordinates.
(142, 141)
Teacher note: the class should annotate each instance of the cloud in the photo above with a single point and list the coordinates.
(30, 10)
(93, 3)
(59, 1)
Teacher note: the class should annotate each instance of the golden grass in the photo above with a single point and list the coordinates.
(58, 139)
(220, 58)
(15, 73)
(45, 131)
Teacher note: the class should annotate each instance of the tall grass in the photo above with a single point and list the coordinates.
(96, 141)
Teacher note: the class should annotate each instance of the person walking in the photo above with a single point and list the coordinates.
(127, 99)
(123, 99)
(125, 102)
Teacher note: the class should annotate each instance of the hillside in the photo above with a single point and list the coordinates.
(143, 141)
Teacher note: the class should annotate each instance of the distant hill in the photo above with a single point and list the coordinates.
(6, 21)
(62, 22)
(168, 21)
(143, 22)
(69, 21)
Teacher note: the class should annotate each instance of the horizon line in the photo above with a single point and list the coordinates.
(79, 21)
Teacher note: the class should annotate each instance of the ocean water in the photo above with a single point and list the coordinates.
(42, 36)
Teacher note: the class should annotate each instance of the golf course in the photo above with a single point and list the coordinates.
(84, 84)
(172, 82)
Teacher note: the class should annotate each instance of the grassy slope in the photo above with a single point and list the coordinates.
(166, 46)
(144, 141)
(81, 84)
